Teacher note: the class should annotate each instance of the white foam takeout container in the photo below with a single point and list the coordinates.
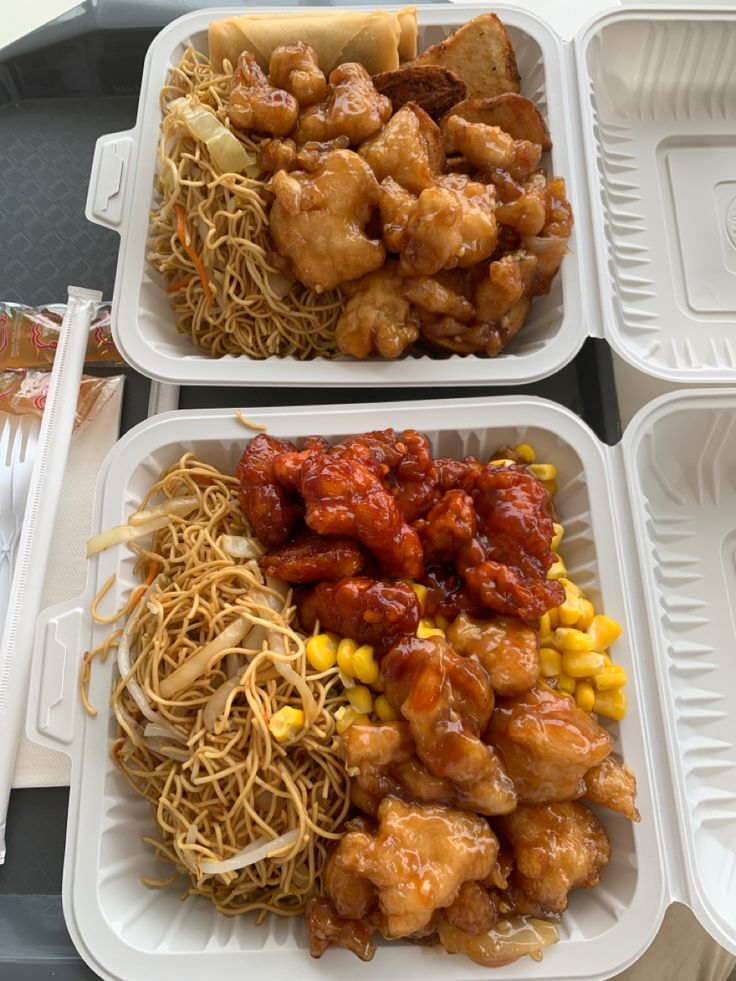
(649, 533)
(643, 101)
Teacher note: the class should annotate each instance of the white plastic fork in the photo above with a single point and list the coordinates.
(18, 441)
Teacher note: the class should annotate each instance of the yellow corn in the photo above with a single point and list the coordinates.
(607, 679)
(554, 618)
(581, 664)
(584, 696)
(427, 629)
(587, 612)
(365, 666)
(558, 569)
(286, 723)
(526, 452)
(611, 704)
(569, 611)
(421, 594)
(345, 680)
(571, 588)
(545, 627)
(607, 661)
(570, 639)
(345, 650)
(442, 622)
(502, 463)
(551, 486)
(566, 683)
(559, 531)
(347, 716)
(543, 471)
(361, 699)
(604, 631)
(550, 662)
(385, 710)
(321, 652)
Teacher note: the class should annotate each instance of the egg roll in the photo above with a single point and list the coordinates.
(373, 39)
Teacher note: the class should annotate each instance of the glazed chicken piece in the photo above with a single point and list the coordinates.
(311, 558)
(351, 895)
(451, 224)
(367, 610)
(414, 482)
(378, 318)
(344, 496)
(256, 105)
(294, 67)
(418, 859)
(447, 701)
(270, 511)
(547, 744)
(352, 108)
(276, 155)
(505, 567)
(551, 247)
(449, 524)
(432, 296)
(396, 204)
(557, 848)
(508, 280)
(473, 910)
(612, 784)
(318, 220)
(488, 146)
(506, 647)
(408, 149)
(326, 928)
(527, 213)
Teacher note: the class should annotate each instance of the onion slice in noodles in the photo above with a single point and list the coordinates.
(154, 520)
(173, 505)
(195, 666)
(227, 152)
(256, 851)
(241, 547)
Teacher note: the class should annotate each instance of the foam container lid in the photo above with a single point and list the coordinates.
(650, 536)
(643, 102)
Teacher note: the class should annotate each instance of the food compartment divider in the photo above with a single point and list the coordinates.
(143, 323)
(118, 926)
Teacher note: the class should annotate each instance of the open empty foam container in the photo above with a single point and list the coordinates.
(641, 106)
(649, 533)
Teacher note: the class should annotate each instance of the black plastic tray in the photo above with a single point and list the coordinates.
(53, 106)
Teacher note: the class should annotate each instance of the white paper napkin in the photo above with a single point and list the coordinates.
(66, 575)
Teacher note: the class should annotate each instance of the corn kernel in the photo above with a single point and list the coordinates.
(421, 594)
(604, 631)
(441, 622)
(321, 651)
(427, 629)
(581, 664)
(550, 662)
(607, 660)
(545, 627)
(571, 588)
(607, 679)
(345, 680)
(365, 666)
(347, 716)
(584, 696)
(286, 723)
(385, 710)
(543, 471)
(566, 683)
(570, 639)
(587, 612)
(554, 618)
(503, 462)
(569, 611)
(611, 704)
(551, 486)
(345, 650)
(526, 452)
(559, 531)
(361, 699)
(558, 569)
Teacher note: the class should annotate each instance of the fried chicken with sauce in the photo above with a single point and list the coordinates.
(408, 149)
(367, 610)
(270, 511)
(448, 525)
(313, 558)
(451, 224)
(396, 204)
(489, 146)
(418, 859)
(473, 910)
(547, 744)
(294, 67)
(527, 213)
(256, 105)
(377, 318)
(557, 848)
(326, 928)
(505, 646)
(285, 155)
(611, 783)
(352, 107)
(432, 296)
(550, 247)
(508, 280)
(318, 220)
